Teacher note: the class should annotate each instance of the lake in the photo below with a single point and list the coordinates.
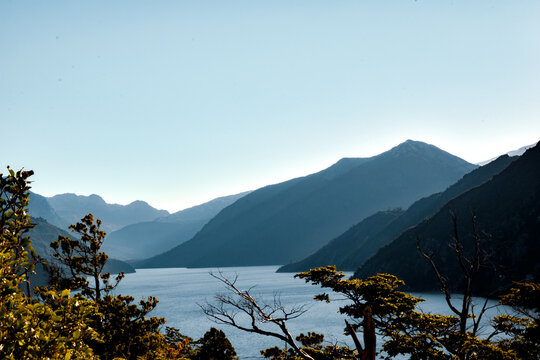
(181, 290)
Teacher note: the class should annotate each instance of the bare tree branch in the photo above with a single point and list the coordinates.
(469, 268)
(228, 308)
(442, 279)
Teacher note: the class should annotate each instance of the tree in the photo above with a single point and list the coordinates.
(52, 323)
(522, 330)
(374, 304)
(19, 258)
(82, 258)
(214, 345)
(125, 329)
(312, 344)
(463, 341)
(53, 326)
(469, 269)
(255, 315)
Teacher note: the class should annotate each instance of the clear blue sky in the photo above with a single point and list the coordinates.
(178, 102)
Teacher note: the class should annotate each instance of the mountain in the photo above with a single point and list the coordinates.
(517, 152)
(42, 234)
(352, 248)
(353, 239)
(203, 212)
(507, 210)
(285, 222)
(71, 208)
(144, 239)
(39, 207)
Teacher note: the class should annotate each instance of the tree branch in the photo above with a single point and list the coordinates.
(243, 302)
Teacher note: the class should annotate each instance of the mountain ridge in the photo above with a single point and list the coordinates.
(71, 208)
(144, 239)
(508, 221)
(296, 216)
(352, 248)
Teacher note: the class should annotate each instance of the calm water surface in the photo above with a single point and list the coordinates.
(180, 290)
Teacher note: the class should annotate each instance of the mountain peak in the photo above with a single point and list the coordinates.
(138, 203)
(414, 147)
(419, 149)
(413, 144)
(72, 196)
(304, 213)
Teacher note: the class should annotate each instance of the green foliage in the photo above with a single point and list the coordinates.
(17, 255)
(125, 329)
(388, 305)
(83, 259)
(178, 346)
(417, 335)
(522, 331)
(524, 297)
(312, 344)
(214, 345)
(53, 328)
(93, 324)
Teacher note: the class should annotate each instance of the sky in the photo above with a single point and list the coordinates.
(178, 102)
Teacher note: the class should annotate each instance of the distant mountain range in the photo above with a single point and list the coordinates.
(71, 208)
(145, 239)
(66, 209)
(352, 248)
(43, 234)
(357, 202)
(39, 207)
(286, 222)
(507, 209)
(139, 238)
(517, 152)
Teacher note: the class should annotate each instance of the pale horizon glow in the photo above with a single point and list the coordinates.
(177, 102)
(277, 179)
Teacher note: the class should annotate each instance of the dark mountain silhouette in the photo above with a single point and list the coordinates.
(141, 240)
(71, 208)
(507, 209)
(352, 248)
(287, 221)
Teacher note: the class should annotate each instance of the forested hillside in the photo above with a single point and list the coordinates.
(503, 213)
(356, 245)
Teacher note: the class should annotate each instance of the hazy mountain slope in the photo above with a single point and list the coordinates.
(72, 208)
(353, 239)
(43, 234)
(39, 207)
(145, 239)
(202, 212)
(352, 248)
(287, 221)
(508, 219)
(424, 208)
